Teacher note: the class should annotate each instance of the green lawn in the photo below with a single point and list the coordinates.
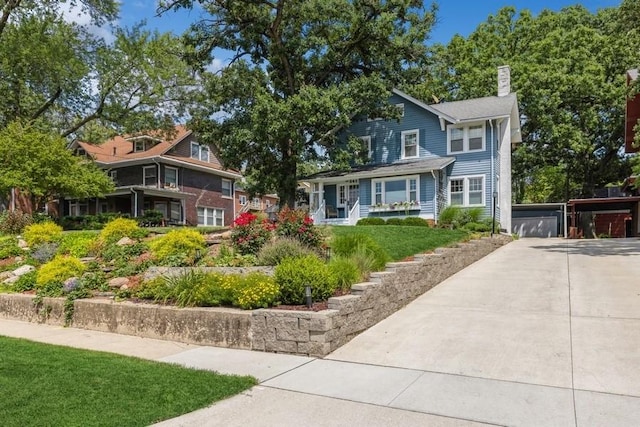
(401, 241)
(46, 385)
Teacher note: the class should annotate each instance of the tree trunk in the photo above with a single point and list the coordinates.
(287, 179)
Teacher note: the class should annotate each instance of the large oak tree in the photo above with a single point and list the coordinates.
(300, 71)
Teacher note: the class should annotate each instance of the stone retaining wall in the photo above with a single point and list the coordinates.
(319, 333)
(221, 327)
(283, 331)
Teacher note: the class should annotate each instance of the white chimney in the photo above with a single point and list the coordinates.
(504, 80)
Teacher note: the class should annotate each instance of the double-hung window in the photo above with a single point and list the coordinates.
(226, 188)
(466, 139)
(199, 152)
(150, 177)
(466, 191)
(395, 190)
(170, 177)
(409, 144)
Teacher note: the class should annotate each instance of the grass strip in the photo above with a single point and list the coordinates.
(401, 241)
(48, 385)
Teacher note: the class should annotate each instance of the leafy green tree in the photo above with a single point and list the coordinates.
(302, 71)
(38, 163)
(568, 69)
(58, 72)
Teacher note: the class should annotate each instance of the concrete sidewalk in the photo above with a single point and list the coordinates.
(542, 332)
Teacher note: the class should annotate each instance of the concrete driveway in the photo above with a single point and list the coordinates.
(541, 332)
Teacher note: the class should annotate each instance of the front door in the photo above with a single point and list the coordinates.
(348, 194)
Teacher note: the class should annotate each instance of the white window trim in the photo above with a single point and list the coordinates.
(397, 178)
(465, 190)
(402, 145)
(465, 138)
(207, 208)
(144, 176)
(401, 107)
(367, 140)
(166, 184)
(230, 196)
(242, 199)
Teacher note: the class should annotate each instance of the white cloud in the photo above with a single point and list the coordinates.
(75, 15)
(216, 65)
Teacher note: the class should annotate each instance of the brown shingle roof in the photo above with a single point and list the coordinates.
(120, 148)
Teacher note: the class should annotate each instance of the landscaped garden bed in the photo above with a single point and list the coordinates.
(123, 279)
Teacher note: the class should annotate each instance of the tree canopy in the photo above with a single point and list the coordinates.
(568, 69)
(62, 74)
(302, 70)
(39, 164)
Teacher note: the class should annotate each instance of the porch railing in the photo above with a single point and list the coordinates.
(319, 215)
(354, 213)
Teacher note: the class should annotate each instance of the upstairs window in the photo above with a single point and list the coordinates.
(409, 141)
(466, 139)
(170, 177)
(226, 188)
(199, 152)
(114, 176)
(149, 176)
(366, 144)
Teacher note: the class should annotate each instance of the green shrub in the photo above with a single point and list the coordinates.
(9, 247)
(415, 221)
(394, 221)
(119, 228)
(59, 269)
(43, 232)
(123, 253)
(293, 274)
(256, 290)
(156, 289)
(365, 261)
(285, 247)
(349, 244)
(371, 221)
(13, 222)
(178, 247)
(477, 227)
(78, 244)
(26, 282)
(94, 280)
(346, 272)
(198, 289)
(447, 216)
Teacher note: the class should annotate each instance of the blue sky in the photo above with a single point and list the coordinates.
(460, 17)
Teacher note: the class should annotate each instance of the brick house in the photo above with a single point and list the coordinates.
(266, 204)
(179, 177)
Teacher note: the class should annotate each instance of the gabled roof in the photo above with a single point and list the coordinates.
(120, 148)
(119, 151)
(477, 109)
(382, 170)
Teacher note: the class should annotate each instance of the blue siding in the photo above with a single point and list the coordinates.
(386, 135)
(365, 197)
(427, 195)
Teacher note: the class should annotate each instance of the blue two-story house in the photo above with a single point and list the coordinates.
(451, 153)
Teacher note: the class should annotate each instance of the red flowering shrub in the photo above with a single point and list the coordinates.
(250, 233)
(296, 224)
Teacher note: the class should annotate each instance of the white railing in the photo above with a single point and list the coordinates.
(354, 213)
(319, 215)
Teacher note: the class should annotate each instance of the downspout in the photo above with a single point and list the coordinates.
(435, 196)
(493, 176)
